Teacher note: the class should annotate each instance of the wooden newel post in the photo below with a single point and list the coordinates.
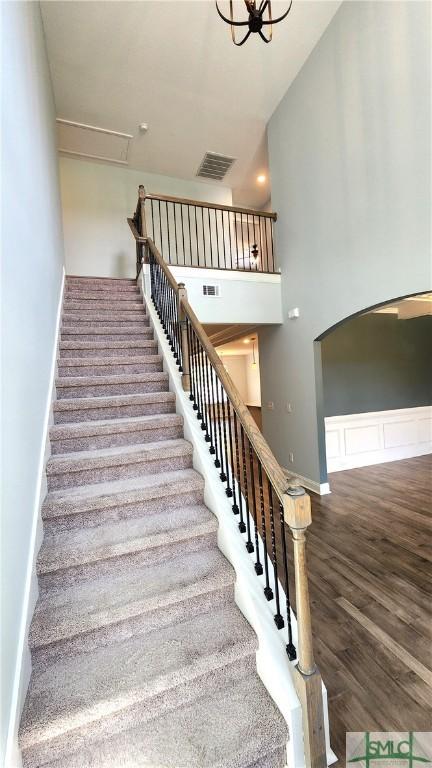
(297, 514)
(186, 379)
(142, 199)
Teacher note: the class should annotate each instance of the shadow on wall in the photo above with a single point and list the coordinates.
(125, 264)
(366, 368)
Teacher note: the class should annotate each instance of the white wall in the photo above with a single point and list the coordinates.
(245, 377)
(349, 149)
(97, 198)
(32, 267)
(236, 367)
(244, 297)
(253, 379)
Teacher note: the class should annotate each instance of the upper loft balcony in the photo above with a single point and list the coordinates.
(223, 254)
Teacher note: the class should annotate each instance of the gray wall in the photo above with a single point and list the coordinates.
(349, 149)
(32, 259)
(377, 363)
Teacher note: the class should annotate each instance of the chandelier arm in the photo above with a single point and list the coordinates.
(284, 15)
(263, 6)
(263, 37)
(244, 39)
(229, 21)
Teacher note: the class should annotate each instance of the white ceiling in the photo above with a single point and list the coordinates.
(406, 309)
(173, 65)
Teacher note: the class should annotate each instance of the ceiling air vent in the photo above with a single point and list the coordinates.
(211, 290)
(214, 166)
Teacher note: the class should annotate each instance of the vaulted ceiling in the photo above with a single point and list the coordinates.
(172, 64)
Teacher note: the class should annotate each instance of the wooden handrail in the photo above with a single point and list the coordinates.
(167, 272)
(201, 204)
(262, 449)
(295, 507)
(136, 234)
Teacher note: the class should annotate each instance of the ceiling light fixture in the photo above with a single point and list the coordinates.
(246, 341)
(256, 20)
(254, 362)
(261, 178)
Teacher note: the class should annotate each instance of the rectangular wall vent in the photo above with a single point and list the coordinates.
(211, 290)
(214, 166)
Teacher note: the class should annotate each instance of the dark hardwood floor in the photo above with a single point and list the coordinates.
(369, 558)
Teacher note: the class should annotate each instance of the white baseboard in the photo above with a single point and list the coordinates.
(322, 489)
(23, 659)
(273, 666)
(363, 439)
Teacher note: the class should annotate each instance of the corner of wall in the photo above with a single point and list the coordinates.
(22, 671)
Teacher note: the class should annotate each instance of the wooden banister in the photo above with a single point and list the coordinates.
(182, 328)
(200, 204)
(271, 466)
(136, 234)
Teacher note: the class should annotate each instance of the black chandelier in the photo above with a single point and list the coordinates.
(256, 20)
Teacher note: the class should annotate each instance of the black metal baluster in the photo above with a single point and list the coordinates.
(219, 460)
(223, 237)
(204, 393)
(196, 234)
(230, 237)
(214, 447)
(290, 648)
(217, 237)
(152, 219)
(242, 235)
(210, 238)
(241, 525)
(175, 232)
(193, 393)
(224, 402)
(230, 440)
(249, 545)
(278, 616)
(168, 234)
(182, 229)
(268, 592)
(198, 399)
(258, 566)
(203, 236)
(209, 433)
(160, 228)
(272, 246)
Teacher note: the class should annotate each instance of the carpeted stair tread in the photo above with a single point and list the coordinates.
(72, 316)
(80, 403)
(75, 692)
(98, 496)
(101, 464)
(126, 592)
(108, 362)
(127, 332)
(88, 294)
(234, 724)
(103, 379)
(101, 283)
(105, 304)
(111, 384)
(91, 434)
(109, 348)
(88, 545)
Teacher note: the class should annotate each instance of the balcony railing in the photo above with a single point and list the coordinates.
(266, 504)
(195, 234)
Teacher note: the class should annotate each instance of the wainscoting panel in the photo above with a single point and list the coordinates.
(361, 439)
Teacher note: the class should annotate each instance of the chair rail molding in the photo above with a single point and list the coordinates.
(362, 439)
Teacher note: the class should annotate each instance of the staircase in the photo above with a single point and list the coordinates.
(140, 656)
